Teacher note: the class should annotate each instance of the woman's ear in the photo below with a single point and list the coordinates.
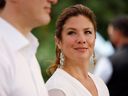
(57, 42)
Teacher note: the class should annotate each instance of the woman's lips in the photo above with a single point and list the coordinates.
(81, 49)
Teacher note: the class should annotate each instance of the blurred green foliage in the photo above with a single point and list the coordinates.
(105, 11)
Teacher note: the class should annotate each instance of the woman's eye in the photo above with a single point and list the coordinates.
(71, 33)
(88, 32)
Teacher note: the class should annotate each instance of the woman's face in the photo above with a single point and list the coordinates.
(78, 38)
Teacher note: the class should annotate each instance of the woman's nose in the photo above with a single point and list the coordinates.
(81, 42)
(81, 39)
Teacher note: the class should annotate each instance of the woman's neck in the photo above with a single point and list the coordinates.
(77, 70)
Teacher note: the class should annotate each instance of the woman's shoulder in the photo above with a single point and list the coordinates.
(57, 80)
(101, 86)
(56, 92)
(97, 79)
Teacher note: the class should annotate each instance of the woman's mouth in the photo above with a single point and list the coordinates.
(81, 49)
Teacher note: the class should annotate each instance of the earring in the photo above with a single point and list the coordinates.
(94, 59)
(61, 60)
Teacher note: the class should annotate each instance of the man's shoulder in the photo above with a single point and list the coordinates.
(4, 49)
(3, 43)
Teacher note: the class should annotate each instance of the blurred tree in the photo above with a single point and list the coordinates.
(105, 10)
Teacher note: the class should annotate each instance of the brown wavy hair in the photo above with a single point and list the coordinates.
(67, 13)
(2, 4)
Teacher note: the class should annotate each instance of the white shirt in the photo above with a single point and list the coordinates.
(20, 74)
(102, 47)
(70, 86)
(104, 69)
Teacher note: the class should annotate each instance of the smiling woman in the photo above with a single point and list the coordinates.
(75, 40)
(78, 39)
